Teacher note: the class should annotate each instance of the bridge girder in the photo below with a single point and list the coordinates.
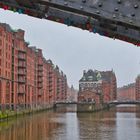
(112, 18)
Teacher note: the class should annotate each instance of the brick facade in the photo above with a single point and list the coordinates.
(126, 93)
(89, 96)
(137, 90)
(96, 85)
(27, 79)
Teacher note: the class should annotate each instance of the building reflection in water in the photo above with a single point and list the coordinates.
(35, 127)
(120, 123)
(98, 126)
(128, 122)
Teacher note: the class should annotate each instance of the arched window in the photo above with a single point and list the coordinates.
(7, 92)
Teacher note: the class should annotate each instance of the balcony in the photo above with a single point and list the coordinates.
(40, 85)
(40, 68)
(50, 90)
(50, 73)
(50, 77)
(21, 65)
(40, 74)
(21, 51)
(40, 65)
(22, 80)
(50, 86)
(21, 58)
(39, 94)
(21, 93)
(21, 72)
(50, 81)
(40, 80)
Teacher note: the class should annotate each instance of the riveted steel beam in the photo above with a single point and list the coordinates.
(112, 18)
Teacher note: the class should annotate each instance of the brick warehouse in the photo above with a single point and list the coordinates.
(137, 90)
(126, 92)
(27, 79)
(97, 86)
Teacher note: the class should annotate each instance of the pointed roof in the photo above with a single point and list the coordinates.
(96, 75)
(90, 75)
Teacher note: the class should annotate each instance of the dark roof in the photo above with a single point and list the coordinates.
(7, 27)
(95, 75)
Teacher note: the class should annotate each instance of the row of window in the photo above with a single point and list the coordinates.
(7, 96)
(7, 73)
(7, 64)
(7, 36)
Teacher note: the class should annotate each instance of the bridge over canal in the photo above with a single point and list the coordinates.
(89, 106)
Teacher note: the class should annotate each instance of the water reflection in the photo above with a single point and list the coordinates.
(36, 127)
(98, 126)
(127, 121)
(121, 123)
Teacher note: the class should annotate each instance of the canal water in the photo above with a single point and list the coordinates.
(119, 123)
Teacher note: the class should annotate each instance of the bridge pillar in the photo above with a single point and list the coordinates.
(91, 107)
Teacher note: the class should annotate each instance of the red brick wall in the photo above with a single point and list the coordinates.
(27, 79)
(88, 96)
(137, 88)
(106, 88)
(5, 65)
(126, 93)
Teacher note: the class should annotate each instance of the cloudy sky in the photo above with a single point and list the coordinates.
(75, 50)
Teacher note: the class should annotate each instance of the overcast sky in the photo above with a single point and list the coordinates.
(75, 50)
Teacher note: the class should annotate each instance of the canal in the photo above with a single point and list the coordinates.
(119, 123)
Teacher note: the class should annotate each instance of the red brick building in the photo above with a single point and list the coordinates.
(27, 79)
(126, 93)
(89, 96)
(138, 88)
(95, 85)
(5, 65)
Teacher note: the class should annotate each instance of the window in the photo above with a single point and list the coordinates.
(6, 73)
(0, 42)
(0, 33)
(6, 46)
(6, 65)
(7, 92)
(7, 37)
(6, 55)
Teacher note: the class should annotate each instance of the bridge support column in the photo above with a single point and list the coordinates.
(91, 107)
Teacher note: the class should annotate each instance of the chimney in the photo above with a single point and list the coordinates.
(39, 52)
(84, 72)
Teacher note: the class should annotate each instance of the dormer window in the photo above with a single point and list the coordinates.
(90, 77)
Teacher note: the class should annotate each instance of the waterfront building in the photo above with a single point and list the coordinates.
(126, 93)
(137, 90)
(97, 86)
(27, 79)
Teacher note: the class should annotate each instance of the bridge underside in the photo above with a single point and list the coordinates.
(118, 19)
